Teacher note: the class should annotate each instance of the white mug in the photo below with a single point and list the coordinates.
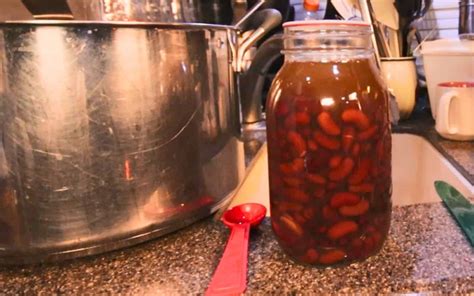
(401, 79)
(455, 112)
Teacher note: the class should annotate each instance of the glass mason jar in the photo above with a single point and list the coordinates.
(329, 145)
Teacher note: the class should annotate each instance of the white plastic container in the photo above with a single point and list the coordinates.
(446, 60)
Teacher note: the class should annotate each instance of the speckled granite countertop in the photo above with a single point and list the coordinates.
(425, 252)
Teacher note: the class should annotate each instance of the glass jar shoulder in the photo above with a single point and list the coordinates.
(351, 79)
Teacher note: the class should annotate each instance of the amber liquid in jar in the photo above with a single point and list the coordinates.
(329, 148)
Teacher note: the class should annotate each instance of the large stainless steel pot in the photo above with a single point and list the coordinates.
(114, 133)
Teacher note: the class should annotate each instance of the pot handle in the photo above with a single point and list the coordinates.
(266, 19)
(252, 81)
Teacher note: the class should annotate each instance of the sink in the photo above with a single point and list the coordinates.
(416, 164)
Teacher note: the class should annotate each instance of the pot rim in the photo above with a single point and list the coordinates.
(120, 24)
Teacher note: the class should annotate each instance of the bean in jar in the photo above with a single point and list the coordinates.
(329, 145)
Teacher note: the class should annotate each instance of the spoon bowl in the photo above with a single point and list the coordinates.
(251, 213)
(230, 276)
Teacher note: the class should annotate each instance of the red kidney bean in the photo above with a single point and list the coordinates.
(361, 188)
(363, 220)
(343, 170)
(298, 143)
(343, 241)
(356, 117)
(366, 147)
(376, 237)
(295, 167)
(312, 146)
(368, 244)
(332, 185)
(370, 228)
(286, 206)
(344, 199)
(277, 228)
(361, 172)
(348, 137)
(325, 243)
(327, 124)
(302, 118)
(306, 132)
(319, 192)
(281, 134)
(286, 236)
(321, 229)
(374, 170)
(287, 169)
(275, 180)
(355, 210)
(293, 181)
(326, 141)
(357, 251)
(299, 219)
(356, 150)
(291, 225)
(317, 160)
(332, 256)
(330, 214)
(311, 256)
(282, 109)
(367, 134)
(289, 122)
(296, 195)
(357, 243)
(341, 229)
(309, 213)
(283, 154)
(335, 161)
(316, 179)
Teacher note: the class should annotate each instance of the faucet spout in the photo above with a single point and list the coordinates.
(252, 81)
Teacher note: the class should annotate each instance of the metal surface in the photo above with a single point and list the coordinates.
(466, 20)
(366, 16)
(224, 12)
(111, 134)
(262, 22)
(252, 81)
(189, 11)
(209, 11)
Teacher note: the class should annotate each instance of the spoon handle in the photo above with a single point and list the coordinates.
(230, 276)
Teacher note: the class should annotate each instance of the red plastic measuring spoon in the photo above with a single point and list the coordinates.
(230, 276)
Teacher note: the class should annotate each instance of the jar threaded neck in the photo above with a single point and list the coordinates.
(327, 37)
